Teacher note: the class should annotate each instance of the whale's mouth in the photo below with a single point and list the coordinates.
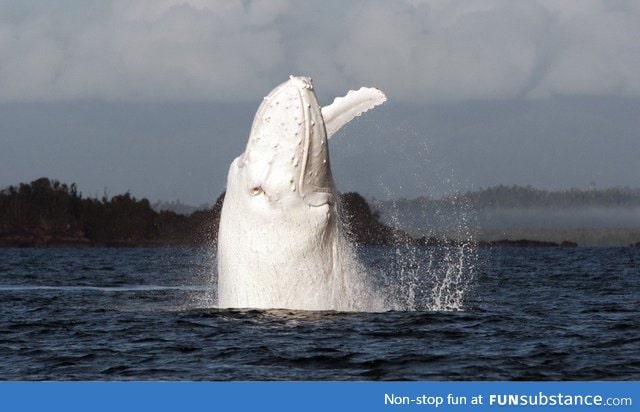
(287, 150)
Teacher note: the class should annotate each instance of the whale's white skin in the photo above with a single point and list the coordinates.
(280, 241)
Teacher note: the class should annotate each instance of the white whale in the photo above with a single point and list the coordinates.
(280, 241)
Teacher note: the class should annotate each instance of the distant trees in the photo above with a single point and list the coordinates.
(505, 197)
(42, 200)
(526, 196)
(363, 225)
(58, 210)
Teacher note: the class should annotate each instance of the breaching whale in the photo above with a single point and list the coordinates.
(280, 240)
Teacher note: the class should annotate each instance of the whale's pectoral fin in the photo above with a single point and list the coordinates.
(346, 108)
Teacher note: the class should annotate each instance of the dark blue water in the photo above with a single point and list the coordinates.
(147, 314)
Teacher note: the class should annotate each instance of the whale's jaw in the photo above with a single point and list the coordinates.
(280, 243)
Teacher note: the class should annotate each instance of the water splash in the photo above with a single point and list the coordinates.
(204, 274)
(209, 273)
(416, 277)
(437, 276)
(454, 280)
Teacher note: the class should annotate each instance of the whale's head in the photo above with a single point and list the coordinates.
(286, 161)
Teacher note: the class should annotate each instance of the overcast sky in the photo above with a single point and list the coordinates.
(157, 96)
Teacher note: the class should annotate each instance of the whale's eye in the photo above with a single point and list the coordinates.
(256, 190)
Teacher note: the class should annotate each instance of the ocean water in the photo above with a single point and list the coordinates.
(487, 314)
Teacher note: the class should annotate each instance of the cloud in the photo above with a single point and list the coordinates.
(142, 50)
(593, 49)
(222, 50)
(455, 51)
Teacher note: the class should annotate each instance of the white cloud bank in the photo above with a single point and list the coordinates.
(224, 50)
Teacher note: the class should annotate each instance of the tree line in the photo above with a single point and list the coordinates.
(52, 212)
(505, 197)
